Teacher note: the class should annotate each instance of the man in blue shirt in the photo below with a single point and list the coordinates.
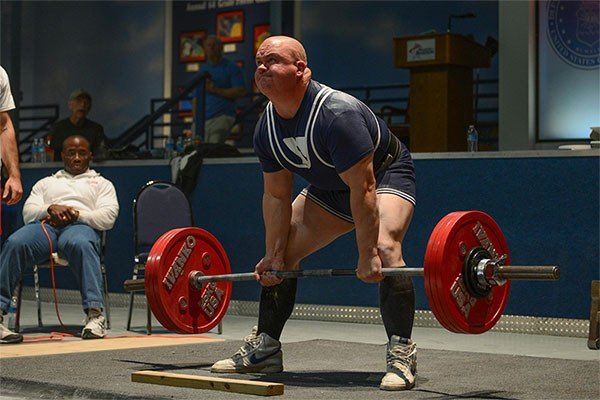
(360, 177)
(225, 85)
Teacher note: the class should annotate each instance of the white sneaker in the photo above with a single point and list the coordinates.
(6, 335)
(259, 354)
(401, 364)
(94, 327)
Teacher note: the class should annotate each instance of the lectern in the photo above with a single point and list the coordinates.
(441, 88)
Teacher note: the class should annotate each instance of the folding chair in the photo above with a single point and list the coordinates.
(61, 263)
(158, 207)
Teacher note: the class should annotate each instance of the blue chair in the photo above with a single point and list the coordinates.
(158, 207)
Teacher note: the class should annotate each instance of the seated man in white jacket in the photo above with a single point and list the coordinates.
(67, 209)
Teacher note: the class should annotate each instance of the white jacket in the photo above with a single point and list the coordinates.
(89, 193)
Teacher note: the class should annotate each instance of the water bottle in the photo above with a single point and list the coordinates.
(179, 145)
(35, 151)
(12, 314)
(169, 147)
(472, 139)
(42, 150)
(48, 150)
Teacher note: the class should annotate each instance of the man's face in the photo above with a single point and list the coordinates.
(80, 105)
(76, 155)
(212, 48)
(277, 70)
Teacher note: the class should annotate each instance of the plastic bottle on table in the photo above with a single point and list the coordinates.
(42, 150)
(179, 145)
(472, 139)
(35, 152)
(169, 148)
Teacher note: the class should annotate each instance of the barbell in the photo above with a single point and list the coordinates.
(467, 274)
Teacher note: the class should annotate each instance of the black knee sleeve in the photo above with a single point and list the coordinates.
(397, 305)
(276, 306)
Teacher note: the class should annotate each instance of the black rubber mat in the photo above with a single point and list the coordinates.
(316, 369)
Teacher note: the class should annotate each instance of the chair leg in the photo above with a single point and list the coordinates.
(148, 320)
(220, 328)
(18, 311)
(131, 298)
(36, 285)
(106, 299)
(129, 312)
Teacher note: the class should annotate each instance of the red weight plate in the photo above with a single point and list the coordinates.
(461, 311)
(176, 304)
(438, 273)
(151, 278)
(431, 273)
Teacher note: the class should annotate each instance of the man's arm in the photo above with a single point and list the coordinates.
(277, 214)
(236, 82)
(13, 189)
(34, 208)
(363, 203)
(229, 93)
(107, 208)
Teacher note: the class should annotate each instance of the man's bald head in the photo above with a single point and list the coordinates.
(282, 72)
(288, 45)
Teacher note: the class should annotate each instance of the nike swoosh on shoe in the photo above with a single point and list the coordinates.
(255, 360)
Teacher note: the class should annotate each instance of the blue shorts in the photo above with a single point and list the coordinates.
(398, 179)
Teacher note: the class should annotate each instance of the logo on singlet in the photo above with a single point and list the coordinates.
(298, 146)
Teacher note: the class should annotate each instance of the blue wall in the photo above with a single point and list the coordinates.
(113, 49)
(349, 43)
(548, 209)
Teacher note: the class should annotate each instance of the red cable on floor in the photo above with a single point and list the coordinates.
(43, 222)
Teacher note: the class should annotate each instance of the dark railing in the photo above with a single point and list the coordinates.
(34, 122)
(247, 109)
(390, 102)
(178, 118)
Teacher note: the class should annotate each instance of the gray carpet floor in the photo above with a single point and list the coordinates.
(314, 369)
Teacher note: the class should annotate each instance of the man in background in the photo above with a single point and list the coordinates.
(80, 104)
(223, 87)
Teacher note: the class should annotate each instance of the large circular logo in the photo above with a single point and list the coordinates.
(574, 32)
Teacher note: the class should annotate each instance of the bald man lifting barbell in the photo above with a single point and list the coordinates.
(360, 177)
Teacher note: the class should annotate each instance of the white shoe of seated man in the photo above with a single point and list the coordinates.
(401, 369)
(259, 354)
(95, 325)
(6, 335)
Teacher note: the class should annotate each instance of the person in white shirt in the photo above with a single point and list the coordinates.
(69, 209)
(12, 189)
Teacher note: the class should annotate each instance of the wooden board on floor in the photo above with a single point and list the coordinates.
(77, 345)
(209, 382)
